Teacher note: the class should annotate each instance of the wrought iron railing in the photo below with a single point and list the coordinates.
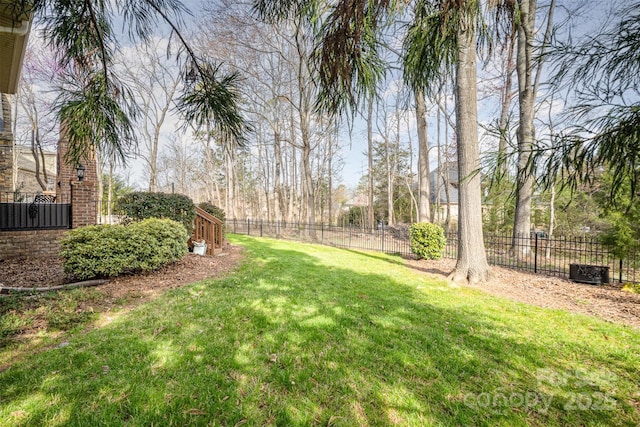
(533, 253)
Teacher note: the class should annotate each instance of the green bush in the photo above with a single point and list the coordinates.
(427, 240)
(141, 205)
(213, 210)
(109, 250)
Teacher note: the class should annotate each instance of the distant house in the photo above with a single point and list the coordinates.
(26, 180)
(438, 189)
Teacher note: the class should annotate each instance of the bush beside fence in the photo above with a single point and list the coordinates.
(540, 255)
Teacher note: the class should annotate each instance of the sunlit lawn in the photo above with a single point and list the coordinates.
(310, 335)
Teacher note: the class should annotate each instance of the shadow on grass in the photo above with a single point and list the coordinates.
(390, 258)
(293, 340)
(431, 270)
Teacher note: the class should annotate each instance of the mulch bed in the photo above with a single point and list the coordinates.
(608, 302)
(44, 272)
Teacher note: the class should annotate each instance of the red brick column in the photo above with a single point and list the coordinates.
(67, 174)
(84, 207)
(82, 195)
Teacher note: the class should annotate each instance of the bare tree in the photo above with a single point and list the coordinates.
(275, 59)
(155, 82)
(527, 89)
(40, 74)
(178, 166)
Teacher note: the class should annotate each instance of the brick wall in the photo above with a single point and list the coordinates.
(6, 147)
(5, 123)
(6, 168)
(83, 204)
(32, 244)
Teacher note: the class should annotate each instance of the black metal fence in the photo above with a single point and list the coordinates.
(535, 253)
(33, 211)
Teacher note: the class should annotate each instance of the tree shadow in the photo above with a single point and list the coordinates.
(430, 270)
(390, 258)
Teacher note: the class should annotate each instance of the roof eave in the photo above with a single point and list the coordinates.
(11, 61)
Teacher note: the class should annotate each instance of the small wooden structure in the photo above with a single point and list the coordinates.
(208, 228)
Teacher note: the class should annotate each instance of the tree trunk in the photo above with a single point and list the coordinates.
(293, 182)
(506, 96)
(308, 182)
(261, 180)
(36, 151)
(447, 174)
(552, 220)
(330, 176)
(390, 174)
(110, 191)
(472, 263)
(229, 184)
(277, 149)
(153, 162)
(520, 245)
(14, 125)
(435, 214)
(423, 159)
(370, 212)
(100, 185)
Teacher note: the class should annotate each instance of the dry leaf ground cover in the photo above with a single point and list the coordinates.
(310, 335)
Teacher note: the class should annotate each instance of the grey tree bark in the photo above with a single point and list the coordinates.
(370, 213)
(471, 263)
(505, 101)
(520, 245)
(424, 211)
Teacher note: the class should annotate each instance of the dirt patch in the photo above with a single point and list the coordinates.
(607, 302)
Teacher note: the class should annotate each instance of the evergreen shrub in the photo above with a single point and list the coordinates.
(141, 205)
(427, 240)
(110, 250)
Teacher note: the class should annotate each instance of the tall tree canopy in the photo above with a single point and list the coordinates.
(95, 106)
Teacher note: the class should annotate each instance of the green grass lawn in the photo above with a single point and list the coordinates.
(311, 335)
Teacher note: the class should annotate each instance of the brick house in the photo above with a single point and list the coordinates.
(35, 226)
